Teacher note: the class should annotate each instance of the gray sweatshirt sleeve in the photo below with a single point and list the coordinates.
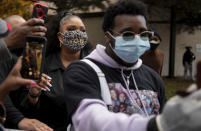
(93, 115)
(4, 52)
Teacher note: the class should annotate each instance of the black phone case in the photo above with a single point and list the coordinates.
(40, 11)
(40, 40)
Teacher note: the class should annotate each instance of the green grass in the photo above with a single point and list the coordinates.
(174, 84)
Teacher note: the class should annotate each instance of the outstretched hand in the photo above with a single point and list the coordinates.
(14, 80)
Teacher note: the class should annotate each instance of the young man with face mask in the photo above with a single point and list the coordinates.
(154, 56)
(126, 40)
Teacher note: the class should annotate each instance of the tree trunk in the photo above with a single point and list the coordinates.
(172, 42)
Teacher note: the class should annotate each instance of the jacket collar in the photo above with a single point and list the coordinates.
(53, 62)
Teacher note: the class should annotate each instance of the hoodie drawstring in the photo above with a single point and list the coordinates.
(129, 93)
(138, 92)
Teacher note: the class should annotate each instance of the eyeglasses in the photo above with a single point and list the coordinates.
(129, 35)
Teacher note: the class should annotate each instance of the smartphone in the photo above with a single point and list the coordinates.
(33, 57)
(40, 10)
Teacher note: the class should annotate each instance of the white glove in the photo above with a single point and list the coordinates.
(181, 114)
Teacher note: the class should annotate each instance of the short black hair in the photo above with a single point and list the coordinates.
(130, 7)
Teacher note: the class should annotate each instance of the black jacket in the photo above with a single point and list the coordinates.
(188, 57)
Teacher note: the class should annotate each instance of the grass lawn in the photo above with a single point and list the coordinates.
(174, 84)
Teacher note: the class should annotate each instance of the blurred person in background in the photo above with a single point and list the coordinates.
(154, 56)
(188, 59)
(15, 20)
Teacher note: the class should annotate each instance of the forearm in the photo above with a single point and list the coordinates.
(3, 92)
(4, 52)
(93, 115)
(13, 115)
(8, 42)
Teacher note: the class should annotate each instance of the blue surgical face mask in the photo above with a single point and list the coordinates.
(130, 50)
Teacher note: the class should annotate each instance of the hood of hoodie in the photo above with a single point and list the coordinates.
(101, 56)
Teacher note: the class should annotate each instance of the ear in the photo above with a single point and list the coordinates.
(59, 36)
(109, 39)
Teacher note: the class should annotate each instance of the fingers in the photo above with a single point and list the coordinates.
(43, 127)
(38, 29)
(46, 76)
(26, 82)
(37, 88)
(34, 21)
(46, 80)
(39, 126)
(41, 34)
(44, 84)
(34, 28)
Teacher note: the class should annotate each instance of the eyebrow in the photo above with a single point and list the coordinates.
(126, 29)
(74, 26)
(142, 29)
(130, 29)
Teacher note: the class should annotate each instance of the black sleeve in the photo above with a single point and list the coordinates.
(161, 93)
(80, 82)
(152, 125)
(6, 66)
(4, 52)
(13, 115)
(21, 101)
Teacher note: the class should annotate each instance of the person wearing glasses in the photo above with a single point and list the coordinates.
(118, 67)
(127, 38)
(154, 56)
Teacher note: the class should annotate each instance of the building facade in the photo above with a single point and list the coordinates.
(93, 20)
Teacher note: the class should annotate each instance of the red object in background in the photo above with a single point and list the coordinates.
(198, 77)
(9, 27)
